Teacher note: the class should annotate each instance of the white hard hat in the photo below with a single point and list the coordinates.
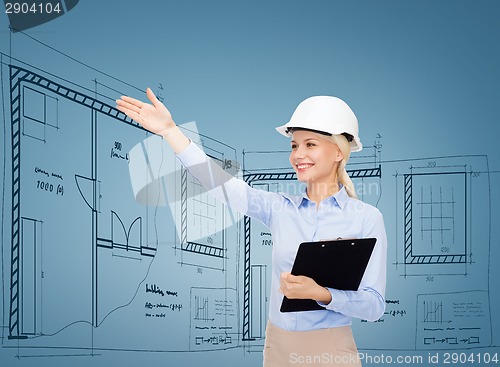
(325, 114)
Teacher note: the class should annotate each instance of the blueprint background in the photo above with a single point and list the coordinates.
(424, 75)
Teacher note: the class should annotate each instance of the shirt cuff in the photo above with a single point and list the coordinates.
(338, 302)
(191, 155)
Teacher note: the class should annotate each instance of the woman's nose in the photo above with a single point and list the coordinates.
(299, 153)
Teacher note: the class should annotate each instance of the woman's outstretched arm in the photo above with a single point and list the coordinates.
(234, 192)
(154, 117)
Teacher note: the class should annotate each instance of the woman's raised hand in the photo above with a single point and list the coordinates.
(154, 117)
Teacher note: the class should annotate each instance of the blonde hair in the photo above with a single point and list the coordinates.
(342, 176)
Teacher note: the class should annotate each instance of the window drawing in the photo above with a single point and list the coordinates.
(435, 218)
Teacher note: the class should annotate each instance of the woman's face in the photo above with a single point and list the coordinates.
(314, 158)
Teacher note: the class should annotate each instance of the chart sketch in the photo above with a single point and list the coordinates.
(214, 319)
(453, 320)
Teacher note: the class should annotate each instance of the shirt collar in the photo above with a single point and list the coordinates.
(340, 198)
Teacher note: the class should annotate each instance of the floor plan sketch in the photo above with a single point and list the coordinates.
(84, 251)
(444, 205)
(48, 192)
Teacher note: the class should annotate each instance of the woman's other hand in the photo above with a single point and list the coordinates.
(302, 287)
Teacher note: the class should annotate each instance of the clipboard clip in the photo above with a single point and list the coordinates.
(341, 238)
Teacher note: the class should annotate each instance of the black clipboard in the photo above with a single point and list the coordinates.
(338, 264)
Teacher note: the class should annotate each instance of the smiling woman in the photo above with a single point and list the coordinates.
(314, 116)
(318, 160)
(324, 132)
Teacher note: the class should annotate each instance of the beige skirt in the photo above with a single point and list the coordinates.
(323, 347)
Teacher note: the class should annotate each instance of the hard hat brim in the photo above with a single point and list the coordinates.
(355, 144)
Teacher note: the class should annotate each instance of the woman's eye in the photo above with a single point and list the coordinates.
(294, 147)
(310, 144)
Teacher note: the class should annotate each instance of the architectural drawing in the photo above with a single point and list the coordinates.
(445, 202)
(76, 228)
(51, 192)
(111, 246)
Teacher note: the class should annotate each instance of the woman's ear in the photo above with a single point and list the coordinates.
(339, 156)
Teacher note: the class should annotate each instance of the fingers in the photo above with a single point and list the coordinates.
(131, 101)
(130, 113)
(151, 96)
(135, 104)
(289, 278)
(286, 283)
(289, 288)
(131, 107)
(297, 286)
(283, 283)
(126, 105)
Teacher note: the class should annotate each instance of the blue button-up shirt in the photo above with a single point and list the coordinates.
(296, 219)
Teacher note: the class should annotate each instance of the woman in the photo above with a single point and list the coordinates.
(323, 132)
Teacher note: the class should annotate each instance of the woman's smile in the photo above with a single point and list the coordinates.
(302, 167)
(313, 158)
